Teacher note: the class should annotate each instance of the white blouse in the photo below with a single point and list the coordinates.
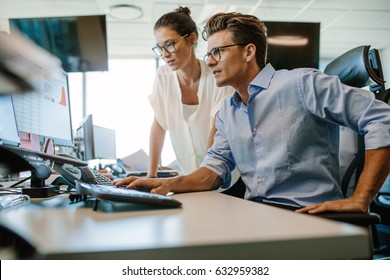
(189, 131)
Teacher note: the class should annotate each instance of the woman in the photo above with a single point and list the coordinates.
(185, 98)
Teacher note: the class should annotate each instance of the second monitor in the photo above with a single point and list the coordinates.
(95, 142)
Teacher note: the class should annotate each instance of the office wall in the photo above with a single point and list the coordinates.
(385, 59)
(4, 25)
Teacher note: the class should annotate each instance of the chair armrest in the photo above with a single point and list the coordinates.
(360, 219)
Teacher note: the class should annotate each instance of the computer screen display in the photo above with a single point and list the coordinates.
(80, 42)
(85, 146)
(95, 142)
(293, 44)
(46, 110)
(8, 127)
(105, 142)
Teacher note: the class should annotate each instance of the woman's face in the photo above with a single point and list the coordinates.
(177, 58)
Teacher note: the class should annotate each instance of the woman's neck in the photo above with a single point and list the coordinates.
(188, 78)
(190, 73)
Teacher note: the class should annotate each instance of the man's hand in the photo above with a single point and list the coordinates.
(201, 179)
(342, 205)
(159, 186)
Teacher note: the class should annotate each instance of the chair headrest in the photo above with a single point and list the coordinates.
(354, 68)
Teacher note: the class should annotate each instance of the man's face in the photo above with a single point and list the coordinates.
(228, 64)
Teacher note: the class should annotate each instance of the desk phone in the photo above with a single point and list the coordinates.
(89, 182)
(72, 174)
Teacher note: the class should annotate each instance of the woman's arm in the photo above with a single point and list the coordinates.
(156, 143)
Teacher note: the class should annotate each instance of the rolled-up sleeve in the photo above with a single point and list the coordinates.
(326, 97)
(219, 158)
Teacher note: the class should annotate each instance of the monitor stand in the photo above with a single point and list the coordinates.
(38, 188)
(43, 191)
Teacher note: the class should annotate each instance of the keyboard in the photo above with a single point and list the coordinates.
(100, 179)
(113, 193)
(160, 173)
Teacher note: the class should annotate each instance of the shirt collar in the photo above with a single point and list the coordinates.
(260, 82)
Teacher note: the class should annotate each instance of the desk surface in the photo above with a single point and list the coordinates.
(210, 225)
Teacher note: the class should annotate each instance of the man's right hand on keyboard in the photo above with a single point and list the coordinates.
(202, 179)
(153, 185)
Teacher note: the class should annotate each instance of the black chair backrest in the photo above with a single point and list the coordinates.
(359, 67)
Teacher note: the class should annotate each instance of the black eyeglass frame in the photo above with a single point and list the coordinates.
(207, 56)
(158, 50)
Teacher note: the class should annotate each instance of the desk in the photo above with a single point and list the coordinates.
(210, 225)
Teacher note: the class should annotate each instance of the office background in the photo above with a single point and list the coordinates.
(118, 98)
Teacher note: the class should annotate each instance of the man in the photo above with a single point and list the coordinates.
(281, 128)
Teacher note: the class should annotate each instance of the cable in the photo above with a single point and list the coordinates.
(19, 182)
(7, 191)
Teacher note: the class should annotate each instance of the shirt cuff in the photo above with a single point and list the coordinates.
(220, 169)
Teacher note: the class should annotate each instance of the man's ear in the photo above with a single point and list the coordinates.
(250, 52)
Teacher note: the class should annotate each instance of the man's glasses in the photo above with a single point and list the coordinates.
(168, 46)
(215, 53)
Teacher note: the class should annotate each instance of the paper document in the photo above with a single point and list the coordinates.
(137, 161)
(13, 200)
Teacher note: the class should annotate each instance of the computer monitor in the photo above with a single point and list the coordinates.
(293, 44)
(46, 110)
(85, 146)
(95, 142)
(80, 42)
(105, 142)
(8, 128)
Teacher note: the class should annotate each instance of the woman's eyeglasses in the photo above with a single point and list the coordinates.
(168, 46)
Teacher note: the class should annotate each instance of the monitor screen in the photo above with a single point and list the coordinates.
(85, 146)
(8, 128)
(46, 110)
(105, 142)
(95, 142)
(80, 42)
(293, 44)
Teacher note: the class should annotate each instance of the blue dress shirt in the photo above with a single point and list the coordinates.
(285, 140)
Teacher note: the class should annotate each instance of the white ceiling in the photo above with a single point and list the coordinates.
(345, 24)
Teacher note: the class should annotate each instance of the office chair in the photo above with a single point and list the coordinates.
(359, 67)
